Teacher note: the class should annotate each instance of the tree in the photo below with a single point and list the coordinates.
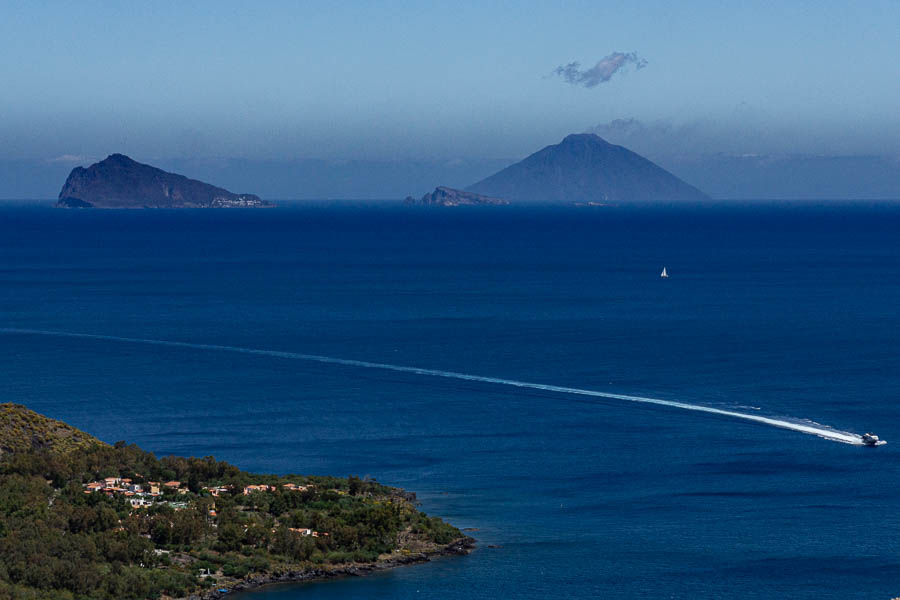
(278, 505)
(230, 537)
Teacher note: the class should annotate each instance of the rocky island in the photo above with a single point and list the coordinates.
(120, 182)
(445, 196)
(81, 519)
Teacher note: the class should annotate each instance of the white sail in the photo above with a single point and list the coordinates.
(664, 274)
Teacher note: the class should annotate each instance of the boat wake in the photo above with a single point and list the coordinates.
(807, 427)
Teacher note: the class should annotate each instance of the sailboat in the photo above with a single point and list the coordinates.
(664, 275)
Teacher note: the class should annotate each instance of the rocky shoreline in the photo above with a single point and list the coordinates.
(461, 546)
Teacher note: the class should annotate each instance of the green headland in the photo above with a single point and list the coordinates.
(81, 519)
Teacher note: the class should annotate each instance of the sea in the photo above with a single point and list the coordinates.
(496, 361)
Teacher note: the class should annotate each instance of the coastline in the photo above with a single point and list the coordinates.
(188, 527)
(458, 547)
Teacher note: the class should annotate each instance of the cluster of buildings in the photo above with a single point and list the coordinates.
(308, 532)
(141, 495)
(287, 487)
(144, 494)
(138, 494)
(249, 489)
(218, 490)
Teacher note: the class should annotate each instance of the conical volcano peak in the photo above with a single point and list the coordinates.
(585, 168)
(584, 138)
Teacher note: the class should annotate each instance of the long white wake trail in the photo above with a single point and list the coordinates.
(802, 427)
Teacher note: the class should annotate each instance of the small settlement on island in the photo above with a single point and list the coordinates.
(150, 493)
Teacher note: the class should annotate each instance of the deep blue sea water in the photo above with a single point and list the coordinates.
(778, 310)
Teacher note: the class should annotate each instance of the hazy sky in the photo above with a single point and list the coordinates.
(435, 80)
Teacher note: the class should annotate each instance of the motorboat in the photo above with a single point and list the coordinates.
(870, 439)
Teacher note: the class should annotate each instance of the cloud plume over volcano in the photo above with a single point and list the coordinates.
(601, 72)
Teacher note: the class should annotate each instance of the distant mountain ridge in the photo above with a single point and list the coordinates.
(584, 168)
(120, 182)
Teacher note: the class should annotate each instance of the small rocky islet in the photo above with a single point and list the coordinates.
(446, 196)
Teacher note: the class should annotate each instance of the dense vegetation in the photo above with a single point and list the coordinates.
(22, 429)
(60, 541)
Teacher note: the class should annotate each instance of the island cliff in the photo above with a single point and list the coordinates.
(445, 196)
(81, 519)
(586, 169)
(120, 182)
